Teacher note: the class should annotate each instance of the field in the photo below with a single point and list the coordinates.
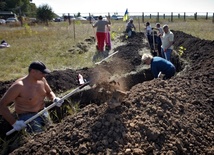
(52, 44)
(124, 110)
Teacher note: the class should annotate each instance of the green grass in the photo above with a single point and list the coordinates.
(51, 44)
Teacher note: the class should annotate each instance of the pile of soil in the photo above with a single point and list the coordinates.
(154, 117)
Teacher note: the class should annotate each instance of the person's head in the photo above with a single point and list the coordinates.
(100, 17)
(3, 41)
(165, 28)
(131, 20)
(147, 23)
(146, 59)
(38, 66)
(158, 25)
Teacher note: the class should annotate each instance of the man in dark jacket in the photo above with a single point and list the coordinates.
(159, 66)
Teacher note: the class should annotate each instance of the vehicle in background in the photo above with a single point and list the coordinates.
(116, 17)
(72, 18)
(11, 20)
(58, 19)
(2, 21)
(80, 18)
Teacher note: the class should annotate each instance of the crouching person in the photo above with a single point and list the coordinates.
(28, 94)
(159, 66)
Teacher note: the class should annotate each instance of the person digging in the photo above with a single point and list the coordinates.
(159, 66)
(28, 94)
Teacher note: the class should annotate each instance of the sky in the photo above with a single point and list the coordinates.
(134, 6)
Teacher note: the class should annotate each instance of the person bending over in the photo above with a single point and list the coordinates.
(159, 66)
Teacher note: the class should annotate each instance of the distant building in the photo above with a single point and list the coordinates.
(7, 14)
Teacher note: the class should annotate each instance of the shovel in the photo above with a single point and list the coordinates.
(50, 106)
(97, 63)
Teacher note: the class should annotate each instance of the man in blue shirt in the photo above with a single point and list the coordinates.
(159, 66)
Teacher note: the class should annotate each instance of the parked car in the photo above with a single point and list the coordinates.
(59, 19)
(11, 20)
(116, 17)
(2, 21)
(80, 18)
(72, 18)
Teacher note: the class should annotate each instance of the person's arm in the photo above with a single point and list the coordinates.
(154, 71)
(94, 25)
(49, 93)
(9, 97)
(134, 27)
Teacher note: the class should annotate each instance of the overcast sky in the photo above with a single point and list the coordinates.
(105, 6)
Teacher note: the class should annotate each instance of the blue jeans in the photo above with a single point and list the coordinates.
(166, 55)
(37, 125)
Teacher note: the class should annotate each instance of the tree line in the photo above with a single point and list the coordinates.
(25, 8)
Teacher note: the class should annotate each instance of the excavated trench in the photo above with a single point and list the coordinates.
(110, 80)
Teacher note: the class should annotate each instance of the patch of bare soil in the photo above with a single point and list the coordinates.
(151, 117)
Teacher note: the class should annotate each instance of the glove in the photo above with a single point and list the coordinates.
(18, 125)
(81, 80)
(58, 101)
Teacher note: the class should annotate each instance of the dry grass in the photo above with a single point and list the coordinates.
(51, 44)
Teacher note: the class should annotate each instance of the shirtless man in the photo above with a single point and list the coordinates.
(28, 94)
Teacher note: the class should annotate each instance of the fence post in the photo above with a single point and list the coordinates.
(213, 17)
(164, 16)
(74, 29)
(171, 16)
(143, 17)
(178, 15)
(89, 16)
(150, 16)
(195, 16)
(69, 19)
(184, 16)
(158, 17)
(207, 16)
(139, 22)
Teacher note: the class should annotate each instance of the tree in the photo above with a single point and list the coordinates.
(20, 7)
(78, 14)
(2, 5)
(45, 13)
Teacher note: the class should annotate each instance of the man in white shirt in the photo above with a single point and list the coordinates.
(167, 43)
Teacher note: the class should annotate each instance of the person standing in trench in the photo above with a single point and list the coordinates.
(28, 94)
(167, 43)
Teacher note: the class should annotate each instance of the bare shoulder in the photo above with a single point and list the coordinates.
(15, 88)
(19, 82)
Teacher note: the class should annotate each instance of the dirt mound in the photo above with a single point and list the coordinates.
(155, 116)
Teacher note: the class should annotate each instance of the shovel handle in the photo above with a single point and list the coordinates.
(10, 132)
